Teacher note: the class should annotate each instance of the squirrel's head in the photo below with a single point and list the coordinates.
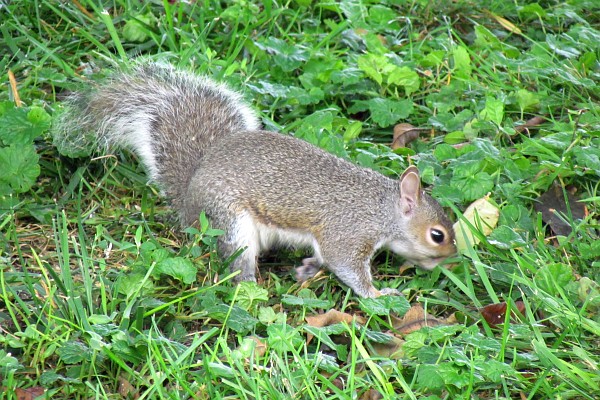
(426, 236)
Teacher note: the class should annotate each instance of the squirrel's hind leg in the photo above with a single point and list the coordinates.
(312, 265)
(309, 268)
(241, 233)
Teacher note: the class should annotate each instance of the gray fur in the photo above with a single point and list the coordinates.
(206, 150)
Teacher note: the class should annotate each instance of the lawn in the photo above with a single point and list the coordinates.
(103, 295)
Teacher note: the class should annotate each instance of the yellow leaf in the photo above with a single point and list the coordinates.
(483, 215)
(506, 24)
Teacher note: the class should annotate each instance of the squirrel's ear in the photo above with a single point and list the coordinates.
(410, 189)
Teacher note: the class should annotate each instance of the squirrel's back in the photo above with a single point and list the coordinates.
(168, 117)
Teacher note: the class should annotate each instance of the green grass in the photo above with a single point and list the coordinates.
(103, 296)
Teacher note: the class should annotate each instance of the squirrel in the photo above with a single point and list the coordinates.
(205, 149)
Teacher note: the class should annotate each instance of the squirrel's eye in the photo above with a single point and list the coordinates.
(436, 235)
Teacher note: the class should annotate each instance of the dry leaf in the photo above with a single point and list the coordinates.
(332, 317)
(483, 215)
(506, 24)
(13, 87)
(523, 396)
(382, 39)
(371, 394)
(329, 318)
(251, 346)
(391, 349)
(84, 10)
(126, 389)
(338, 383)
(451, 319)
(260, 348)
(553, 202)
(202, 393)
(588, 291)
(495, 314)
(404, 134)
(414, 320)
(364, 32)
(530, 123)
(26, 394)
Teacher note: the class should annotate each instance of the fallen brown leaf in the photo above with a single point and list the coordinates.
(451, 320)
(329, 318)
(414, 319)
(551, 203)
(338, 383)
(371, 394)
(261, 348)
(495, 314)
(26, 394)
(126, 389)
(391, 349)
(365, 32)
(530, 123)
(332, 317)
(202, 393)
(523, 396)
(404, 134)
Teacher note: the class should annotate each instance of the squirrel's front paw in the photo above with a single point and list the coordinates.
(389, 292)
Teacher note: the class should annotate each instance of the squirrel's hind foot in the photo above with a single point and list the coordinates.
(309, 268)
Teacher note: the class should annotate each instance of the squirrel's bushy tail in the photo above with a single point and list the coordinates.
(167, 117)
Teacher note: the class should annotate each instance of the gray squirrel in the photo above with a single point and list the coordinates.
(206, 150)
